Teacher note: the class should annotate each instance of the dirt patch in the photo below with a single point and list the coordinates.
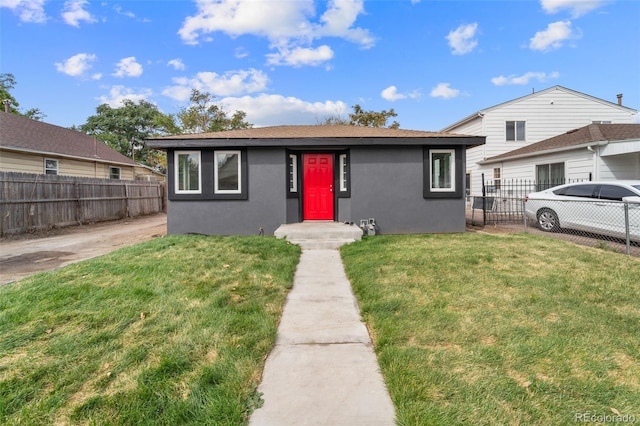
(33, 262)
(26, 254)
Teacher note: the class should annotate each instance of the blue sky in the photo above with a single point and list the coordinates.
(300, 61)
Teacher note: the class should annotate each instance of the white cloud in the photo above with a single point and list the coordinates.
(553, 37)
(524, 79)
(271, 110)
(240, 53)
(74, 13)
(177, 64)
(577, 8)
(122, 12)
(391, 94)
(289, 27)
(444, 90)
(300, 56)
(117, 94)
(338, 21)
(128, 67)
(77, 65)
(462, 40)
(27, 10)
(229, 84)
(258, 17)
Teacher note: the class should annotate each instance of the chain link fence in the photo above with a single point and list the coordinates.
(610, 225)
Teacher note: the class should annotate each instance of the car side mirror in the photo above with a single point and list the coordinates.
(633, 199)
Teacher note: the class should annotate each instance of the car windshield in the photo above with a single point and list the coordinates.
(636, 187)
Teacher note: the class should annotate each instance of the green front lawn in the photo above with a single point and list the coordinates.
(171, 331)
(511, 329)
(469, 328)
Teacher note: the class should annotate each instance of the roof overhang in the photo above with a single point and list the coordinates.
(500, 159)
(608, 148)
(57, 154)
(465, 120)
(621, 147)
(313, 142)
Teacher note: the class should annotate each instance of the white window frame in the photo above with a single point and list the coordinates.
(452, 169)
(343, 172)
(177, 172)
(111, 174)
(293, 173)
(48, 169)
(515, 131)
(217, 190)
(497, 177)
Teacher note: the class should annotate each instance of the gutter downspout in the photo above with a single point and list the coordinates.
(596, 157)
(596, 172)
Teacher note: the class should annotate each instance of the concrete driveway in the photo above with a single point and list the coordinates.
(25, 255)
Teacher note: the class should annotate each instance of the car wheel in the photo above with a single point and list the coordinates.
(548, 220)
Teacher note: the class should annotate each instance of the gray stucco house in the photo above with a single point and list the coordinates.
(236, 182)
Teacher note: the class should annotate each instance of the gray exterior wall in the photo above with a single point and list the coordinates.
(386, 184)
(265, 206)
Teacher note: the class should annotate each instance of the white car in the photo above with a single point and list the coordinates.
(594, 207)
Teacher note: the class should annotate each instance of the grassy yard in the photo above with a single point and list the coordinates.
(510, 329)
(172, 331)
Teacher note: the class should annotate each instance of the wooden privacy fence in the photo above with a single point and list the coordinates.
(34, 201)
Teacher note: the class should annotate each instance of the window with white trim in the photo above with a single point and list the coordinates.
(188, 174)
(227, 172)
(50, 166)
(549, 175)
(344, 172)
(442, 165)
(114, 172)
(515, 131)
(497, 174)
(293, 173)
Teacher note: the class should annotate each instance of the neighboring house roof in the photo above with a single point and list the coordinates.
(573, 139)
(482, 112)
(26, 135)
(325, 135)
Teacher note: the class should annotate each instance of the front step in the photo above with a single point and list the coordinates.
(319, 235)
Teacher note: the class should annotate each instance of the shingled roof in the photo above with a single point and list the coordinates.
(338, 135)
(23, 134)
(573, 139)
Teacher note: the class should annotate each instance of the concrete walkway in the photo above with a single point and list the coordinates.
(323, 370)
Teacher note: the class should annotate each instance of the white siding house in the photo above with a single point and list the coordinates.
(523, 121)
(593, 152)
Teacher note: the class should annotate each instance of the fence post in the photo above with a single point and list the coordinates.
(484, 202)
(626, 226)
(76, 188)
(126, 200)
(524, 216)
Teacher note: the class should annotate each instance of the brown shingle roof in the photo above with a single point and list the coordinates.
(23, 134)
(310, 135)
(577, 137)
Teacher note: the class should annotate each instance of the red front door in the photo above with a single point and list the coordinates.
(317, 188)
